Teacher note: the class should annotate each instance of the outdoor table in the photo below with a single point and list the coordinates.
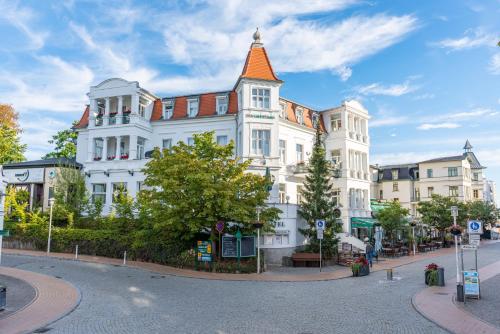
(422, 248)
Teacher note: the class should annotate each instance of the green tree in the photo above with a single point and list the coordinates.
(317, 200)
(71, 196)
(65, 144)
(483, 211)
(437, 212)
(190, 188)
(392, 218)
(11, 149)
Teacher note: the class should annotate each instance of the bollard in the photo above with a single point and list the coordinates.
(76, 252)
(125, 258)
(389, 274)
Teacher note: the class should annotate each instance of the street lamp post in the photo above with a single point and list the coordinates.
(258, 226)
(454, 213)
(51, 204)
(2, 201)
(413, 224)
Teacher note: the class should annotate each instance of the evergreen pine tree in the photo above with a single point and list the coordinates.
(317, 200)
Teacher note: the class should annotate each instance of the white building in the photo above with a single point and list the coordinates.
(458, 176)
(124, 121)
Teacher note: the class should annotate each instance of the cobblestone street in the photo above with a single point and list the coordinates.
(118, 299)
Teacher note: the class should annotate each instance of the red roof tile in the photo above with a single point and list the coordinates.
(84, 121)
(157, 110)
(257, 65)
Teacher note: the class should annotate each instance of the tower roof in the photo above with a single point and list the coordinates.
(257, 64)
(467, 145)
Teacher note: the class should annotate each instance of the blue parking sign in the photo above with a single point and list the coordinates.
(320, 224)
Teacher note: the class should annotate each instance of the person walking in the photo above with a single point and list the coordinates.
(369, 251)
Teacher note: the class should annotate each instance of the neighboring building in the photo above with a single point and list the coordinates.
(458, 176)
(490, 191)
(38, 178)
(124, 121)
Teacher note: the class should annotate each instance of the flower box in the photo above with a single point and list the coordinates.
(111, 157)
(97, 158)
(360, 267)
(124, 156)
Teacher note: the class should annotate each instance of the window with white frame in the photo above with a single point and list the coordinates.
(99, 193)
(98, 147)
(395, 174)
(429, 173)
(168, 109)
(452, 171)
(119, 188)
(336, 197)
(142, 110)
(222, 140)
(453, 191)
(299, 194)
(430, 191)
(335, 122)
(192, 107)
(167, 143)
(268, 239)
(141, 143)
(282, 148)
(190, 141)
(221, 102)
(283, 110)
(282, 193)
(261, 98)
(299, 113)
(336, 154)
(261, 142)
(475, 177)
(395, 186)
(299, 150)
(476, 193)
(315, 120)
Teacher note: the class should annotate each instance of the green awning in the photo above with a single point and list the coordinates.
(357, 222)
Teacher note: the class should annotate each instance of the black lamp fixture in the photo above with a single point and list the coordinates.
(131, 172)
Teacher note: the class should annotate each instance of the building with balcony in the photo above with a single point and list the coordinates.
(123, 122)
(459, 176)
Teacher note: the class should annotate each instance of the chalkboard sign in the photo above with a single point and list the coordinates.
(229, 247)
(248, 246)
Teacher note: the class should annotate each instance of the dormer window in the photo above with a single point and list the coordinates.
(261, 98)
(192, 107)
(335, 122)
(221, 105)
(282, 110)
(315, 120)
(299, 113)
(168, 109)
(142, 110)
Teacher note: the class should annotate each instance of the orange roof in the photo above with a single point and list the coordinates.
(84, 121)
(290, 109)
(257, 65)
(207, 105)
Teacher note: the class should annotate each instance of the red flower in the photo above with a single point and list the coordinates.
(431, 266)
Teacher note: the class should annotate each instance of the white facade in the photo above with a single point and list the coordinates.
(272, 131)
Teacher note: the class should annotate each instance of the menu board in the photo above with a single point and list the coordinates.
(229, 247)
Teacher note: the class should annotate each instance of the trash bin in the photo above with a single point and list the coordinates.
(3, 297)
(440, 281)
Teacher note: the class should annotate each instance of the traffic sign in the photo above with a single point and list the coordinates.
(469, 247)
(320, 224)
(319, 234)
(475, 227)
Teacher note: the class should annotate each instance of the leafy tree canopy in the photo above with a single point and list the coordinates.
(392, 217)
(437, 212)
(11, 149)
(193, 187)
(483, 211)
(65, 144)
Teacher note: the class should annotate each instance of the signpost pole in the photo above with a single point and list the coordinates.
(2, 200)
(320, 257)
(51, 203)
(258, 241)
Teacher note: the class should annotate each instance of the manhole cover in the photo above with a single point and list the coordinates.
(42, 330)
(58, 277)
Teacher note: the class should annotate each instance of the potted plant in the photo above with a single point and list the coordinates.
(360, 267)
(431, 274)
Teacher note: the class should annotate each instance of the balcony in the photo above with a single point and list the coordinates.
(126, 119)
(112, 119)
(99, 121)
(300, 168)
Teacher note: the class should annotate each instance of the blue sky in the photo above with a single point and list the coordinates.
(427, 71)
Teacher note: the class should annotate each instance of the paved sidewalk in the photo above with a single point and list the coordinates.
(437, 304)
(54, 299)
(314, 275)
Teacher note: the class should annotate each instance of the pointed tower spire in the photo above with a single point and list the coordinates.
(257, 64)
(467, 146)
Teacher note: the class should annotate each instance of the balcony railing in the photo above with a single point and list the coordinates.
(112, 119)
(98, 121)
(300, 168)
(125, 119)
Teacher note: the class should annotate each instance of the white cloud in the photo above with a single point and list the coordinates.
(495, 64)
(429, 126)
(22, 19)
(472, 38)
(386, 121)
(425, 96)
(391, 90)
